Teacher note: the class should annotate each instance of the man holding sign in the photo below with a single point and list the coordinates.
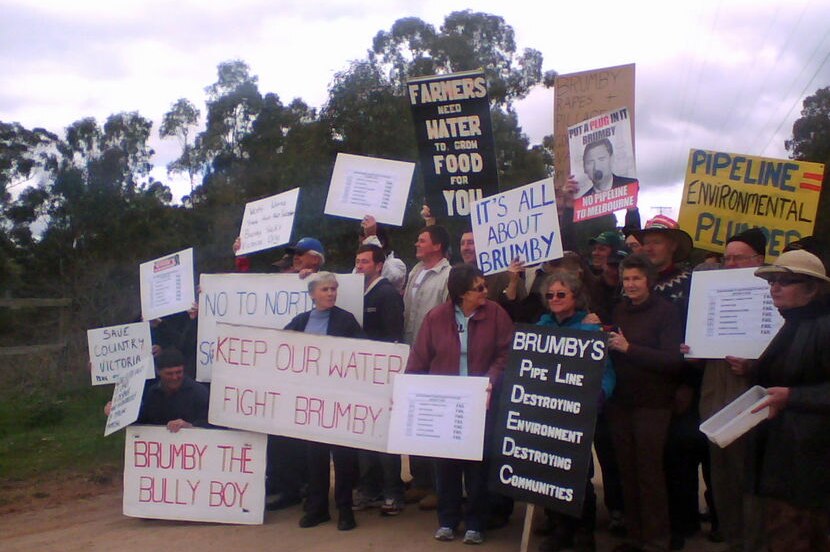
(176, 400)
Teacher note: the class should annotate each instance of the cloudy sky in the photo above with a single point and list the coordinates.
(726, 75)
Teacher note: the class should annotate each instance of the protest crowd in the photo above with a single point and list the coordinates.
(617, 301)
(766, 489)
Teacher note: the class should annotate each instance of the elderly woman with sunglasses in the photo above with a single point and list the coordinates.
(789, 453)
(566, 298)
(468, 335)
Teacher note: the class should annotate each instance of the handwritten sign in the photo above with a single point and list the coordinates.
(521, 223)
(264, 300)
(438, 416)
(725, 194)
(267, 222)
(455, 140)
(195, 474)
(602, 158)
(326, 389)
(580, 96)
(117, 349)
(126, 397)
(369, 186)
(547, 411)
(167, 285)
(730, 313)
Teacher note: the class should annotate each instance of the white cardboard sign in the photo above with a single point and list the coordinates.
(116, 349)
(195, 474)
(326, 389)
(369, 186)
(439, 416)
(126, 397)
(167, 285)
(268, 222)
(264, 300)
(521, 223)
(730, 313)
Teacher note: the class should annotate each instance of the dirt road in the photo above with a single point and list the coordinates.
(94, 522)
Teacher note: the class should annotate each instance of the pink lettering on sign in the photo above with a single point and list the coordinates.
(235, 460)
(155, 455)
(250, 402)
(227, 495)
(167, 490)
(240, 352)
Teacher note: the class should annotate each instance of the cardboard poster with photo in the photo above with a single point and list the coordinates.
(602, 160)
(581, 96)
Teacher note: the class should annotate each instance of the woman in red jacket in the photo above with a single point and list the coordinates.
(468, 335)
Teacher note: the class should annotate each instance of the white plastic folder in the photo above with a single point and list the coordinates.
(736, 418)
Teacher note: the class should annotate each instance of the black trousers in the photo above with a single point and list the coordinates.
(319, 476)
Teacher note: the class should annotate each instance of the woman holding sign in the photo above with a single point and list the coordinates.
(567, 300)
(469, 335)
(646, 352)
(327, 319)
(790, 452)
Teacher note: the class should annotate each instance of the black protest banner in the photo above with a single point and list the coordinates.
(546, 416)
(455, 140)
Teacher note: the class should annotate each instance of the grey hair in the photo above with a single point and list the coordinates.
(319, 278)
(570, 281)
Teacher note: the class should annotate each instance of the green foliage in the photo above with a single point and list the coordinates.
(467, 40)
(88, 212)
(811, 142)
(61, 433)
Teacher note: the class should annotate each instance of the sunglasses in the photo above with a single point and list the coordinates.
(559, 295)
(785, 281)
(479, 288)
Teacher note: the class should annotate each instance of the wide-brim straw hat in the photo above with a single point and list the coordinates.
(797, 261)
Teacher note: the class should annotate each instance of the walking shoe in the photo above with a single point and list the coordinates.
(362, 502)
(444, 534)
(346, 522)
(473, 537)
(313, 520)
(391, 507)
(429, 502)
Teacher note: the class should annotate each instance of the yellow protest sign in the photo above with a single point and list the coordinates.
(726, 193)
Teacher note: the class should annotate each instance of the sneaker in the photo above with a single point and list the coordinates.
(444, 534)
(362, 502)
(391, 507)
(473, 537)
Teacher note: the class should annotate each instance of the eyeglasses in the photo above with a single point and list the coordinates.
(559, 295)
(479, 288)
(738, 258)
(785, 281)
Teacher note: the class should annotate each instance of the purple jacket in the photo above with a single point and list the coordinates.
(437, 349)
